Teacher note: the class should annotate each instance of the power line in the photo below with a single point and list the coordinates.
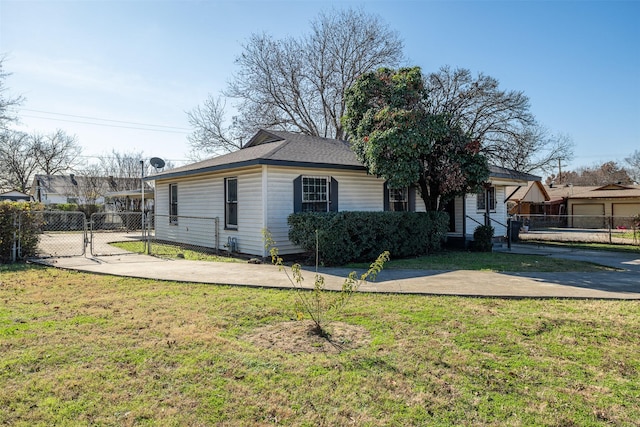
(135, 125)
(109, 125)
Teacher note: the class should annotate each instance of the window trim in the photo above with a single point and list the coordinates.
(173, 204)
(481, 197)
(404, 200)
(228, 203)
(327, 186)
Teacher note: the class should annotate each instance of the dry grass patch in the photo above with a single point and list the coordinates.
(301, 337)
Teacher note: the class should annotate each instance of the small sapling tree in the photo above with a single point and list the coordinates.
(320, 304)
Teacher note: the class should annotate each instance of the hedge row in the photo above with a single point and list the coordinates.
(12, 214)
(361, 236)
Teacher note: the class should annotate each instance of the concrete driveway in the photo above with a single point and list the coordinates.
(623, 284)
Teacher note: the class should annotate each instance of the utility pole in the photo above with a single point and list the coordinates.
(559, 171)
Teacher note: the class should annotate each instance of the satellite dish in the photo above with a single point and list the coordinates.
(157, 162)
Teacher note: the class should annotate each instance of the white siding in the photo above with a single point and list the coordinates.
(265, 200)
(499, 217)
(203, 197)
(356, 192)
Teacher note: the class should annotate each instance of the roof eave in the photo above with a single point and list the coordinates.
(249, 163)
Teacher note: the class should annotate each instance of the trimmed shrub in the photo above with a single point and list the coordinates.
(483, 238)
(23, 214)
(361, 236)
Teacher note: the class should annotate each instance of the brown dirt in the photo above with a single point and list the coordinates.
(300, 337)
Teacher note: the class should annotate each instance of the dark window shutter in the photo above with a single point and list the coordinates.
(297, 194)
(333, 196)
(412, 199)
(385, 194)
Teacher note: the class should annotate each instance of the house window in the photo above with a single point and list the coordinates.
(399, 199)
(173, 204)
(231, 202)
(481, 199)
(315, 194)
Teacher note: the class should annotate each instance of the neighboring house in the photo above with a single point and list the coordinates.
(529, 199)
(82, 190)
(14, 196)
(278, 173)
(591, 207)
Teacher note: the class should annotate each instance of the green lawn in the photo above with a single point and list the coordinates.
(174, 251)
(634, 249)
(81, 349)
(489, 261)
(453, 260)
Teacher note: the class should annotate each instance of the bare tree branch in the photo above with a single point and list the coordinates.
(6, 102)
(56, 152)
(500, 119)
(18, 162)
(297, 84)
(634, 165)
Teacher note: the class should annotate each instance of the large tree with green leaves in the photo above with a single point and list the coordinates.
(396, 137)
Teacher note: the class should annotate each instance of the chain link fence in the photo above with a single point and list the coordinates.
(580, 228)
(59, 233)
(117, 233)
(168, 235)
(65, 234)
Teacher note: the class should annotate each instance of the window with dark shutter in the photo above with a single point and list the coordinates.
(315, 194)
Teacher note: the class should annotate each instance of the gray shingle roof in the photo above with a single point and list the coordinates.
(500, 172)
(64, 184)
(270, 147)
(277, 148)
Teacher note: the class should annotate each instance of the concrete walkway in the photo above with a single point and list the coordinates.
(624, 284)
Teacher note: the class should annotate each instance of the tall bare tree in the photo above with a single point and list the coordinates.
(211, 133)
(532, 149)
(500, 119)
(298, 84)
(56, 152)
(634, 165)
(6, 102)
(18, 161)
(123, 165)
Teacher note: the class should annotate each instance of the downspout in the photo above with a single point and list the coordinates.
(265, 205)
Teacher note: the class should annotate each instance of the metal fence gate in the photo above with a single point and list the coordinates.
(61, 233)
(117, 233)
(66, 234)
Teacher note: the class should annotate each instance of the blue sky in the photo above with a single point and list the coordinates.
(121, 74)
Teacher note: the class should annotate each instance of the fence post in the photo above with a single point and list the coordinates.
(14, 244)
(149, 234)
(610, 227)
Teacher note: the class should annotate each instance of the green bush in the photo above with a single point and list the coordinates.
(361, 236)
(24, 214)
(483, 238)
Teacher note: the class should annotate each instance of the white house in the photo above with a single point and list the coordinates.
(61, 189)
(278, 173)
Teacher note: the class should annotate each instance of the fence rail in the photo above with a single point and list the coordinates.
(622, 230)
(58, 233)
(201, 234)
